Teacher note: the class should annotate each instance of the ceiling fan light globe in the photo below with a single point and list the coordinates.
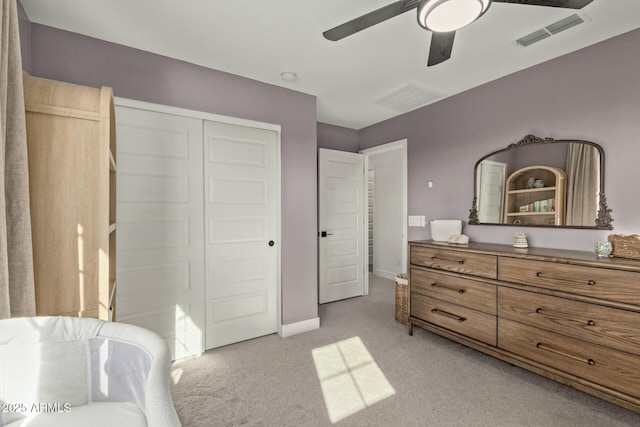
(450, 15)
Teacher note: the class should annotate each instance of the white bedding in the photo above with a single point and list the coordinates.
(100, 414)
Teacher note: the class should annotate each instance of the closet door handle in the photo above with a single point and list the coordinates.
(435, 285)
(459, 261)
(542, 346)
(589, 282)
(271, 243)
(447, 314)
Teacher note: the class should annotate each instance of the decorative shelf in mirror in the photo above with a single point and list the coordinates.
(535, 195)
(542, 183)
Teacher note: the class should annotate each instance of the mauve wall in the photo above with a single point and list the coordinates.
(337, 138)
(144, 76)
(592, 94)
(25, 38)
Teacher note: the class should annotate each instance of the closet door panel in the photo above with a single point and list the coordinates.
(160, 273)
(241, 221)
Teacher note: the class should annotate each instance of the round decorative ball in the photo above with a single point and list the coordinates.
(603, 249)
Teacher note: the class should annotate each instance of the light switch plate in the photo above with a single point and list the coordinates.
(417, 221)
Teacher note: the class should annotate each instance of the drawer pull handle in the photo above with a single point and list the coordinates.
(459, 261)
(560, 353)
(447, 314)
(566, 279)
(435, 285)
(560, 316)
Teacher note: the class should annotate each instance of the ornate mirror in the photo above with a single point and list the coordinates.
(539, 182)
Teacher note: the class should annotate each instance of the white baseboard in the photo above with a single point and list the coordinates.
(384, 274)
(299, 327)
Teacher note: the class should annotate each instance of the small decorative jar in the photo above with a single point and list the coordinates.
(520, 240)
(604, 249)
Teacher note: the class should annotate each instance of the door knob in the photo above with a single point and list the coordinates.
(271, 243)
(325, 234)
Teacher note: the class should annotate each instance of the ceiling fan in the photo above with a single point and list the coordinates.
(441, 17)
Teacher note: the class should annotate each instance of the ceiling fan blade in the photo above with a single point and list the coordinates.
(441, 45)
(568, 4)
(371, 18)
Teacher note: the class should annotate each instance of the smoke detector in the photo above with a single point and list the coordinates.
(289, 76)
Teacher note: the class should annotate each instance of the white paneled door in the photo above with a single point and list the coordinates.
(342, 225)
(198, 226)
(160, 267)
(241, 230)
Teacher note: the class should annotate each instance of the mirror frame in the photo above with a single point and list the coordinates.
(603, 220)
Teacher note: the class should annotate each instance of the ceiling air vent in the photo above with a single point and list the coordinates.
(532, 38)
(409, 98)
(549, 30)
(564, 24)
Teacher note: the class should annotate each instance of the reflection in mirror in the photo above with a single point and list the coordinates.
(542, 182)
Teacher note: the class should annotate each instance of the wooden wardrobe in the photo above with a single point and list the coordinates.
(71, 147)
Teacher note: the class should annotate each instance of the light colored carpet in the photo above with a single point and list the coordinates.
(271, 381)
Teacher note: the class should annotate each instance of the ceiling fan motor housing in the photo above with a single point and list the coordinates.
(449, 15)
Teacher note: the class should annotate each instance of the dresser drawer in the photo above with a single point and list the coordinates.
(601, 365)
(614, 285)
(610, 327)
(474, 324)
(457, 261)
(466, 292)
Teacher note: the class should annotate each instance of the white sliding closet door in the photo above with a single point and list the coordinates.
(160, 263)
(241, 222)
(198, 226)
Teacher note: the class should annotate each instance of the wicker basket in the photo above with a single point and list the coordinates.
(625, 246)
(402, 300)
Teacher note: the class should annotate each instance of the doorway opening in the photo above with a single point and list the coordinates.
(371, 188)
(387, 208)
(358, 233)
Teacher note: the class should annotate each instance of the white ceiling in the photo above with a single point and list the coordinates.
(261, 39)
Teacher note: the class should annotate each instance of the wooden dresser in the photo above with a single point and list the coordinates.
(567, 315)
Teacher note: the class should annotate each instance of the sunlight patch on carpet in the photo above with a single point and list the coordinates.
(188, 336)
(176, 374)
(350, 378)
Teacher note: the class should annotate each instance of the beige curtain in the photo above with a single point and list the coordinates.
(17, 292)
(583, 182)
